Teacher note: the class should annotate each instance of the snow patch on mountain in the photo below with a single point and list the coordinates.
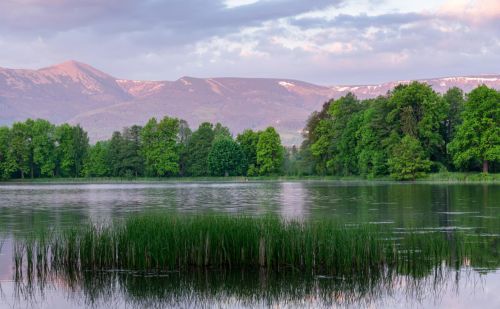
(286, 84)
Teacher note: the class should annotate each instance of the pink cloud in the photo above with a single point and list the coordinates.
(473, 11)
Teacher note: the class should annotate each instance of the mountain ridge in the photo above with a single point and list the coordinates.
(76, 92)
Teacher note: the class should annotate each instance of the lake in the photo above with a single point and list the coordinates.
(424, 207)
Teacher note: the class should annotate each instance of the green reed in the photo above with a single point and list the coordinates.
(165, 242)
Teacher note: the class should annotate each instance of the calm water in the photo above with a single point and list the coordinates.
(428, 207)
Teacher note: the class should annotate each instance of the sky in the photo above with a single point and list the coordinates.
(327, 42)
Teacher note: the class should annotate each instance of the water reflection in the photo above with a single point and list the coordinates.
(219, 288)
(24, 207)
(293, 201)
(470, 208)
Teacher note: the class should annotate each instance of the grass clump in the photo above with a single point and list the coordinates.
(165, 242)
(169, 242)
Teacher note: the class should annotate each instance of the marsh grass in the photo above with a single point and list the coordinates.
(166, 242)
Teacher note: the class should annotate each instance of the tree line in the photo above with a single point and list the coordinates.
(168, 147)
(407, 133)
(410, 131)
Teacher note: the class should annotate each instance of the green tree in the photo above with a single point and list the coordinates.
(226, 158)
(269, 152)
(315, 163)
(321, 148)
(337, 136)
(81, 144)
(73, 144)
(133, 162)
(64, 150)
(96, 161)
(159, 146)
(221, 131)
(7, 164)
(419, 111)
(455, 102)
(347, 155)
(29, 124)
(125, 155)
(185, 134)
(478, 137)
(454, 99)
(408, 160)
(372, 143)
(248, 140)
(195, 156)
(114, 156)
(20, 149)
(44, 148)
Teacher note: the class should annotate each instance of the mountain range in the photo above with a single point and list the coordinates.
(75, 92)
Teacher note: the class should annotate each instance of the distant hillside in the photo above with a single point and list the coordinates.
(78, 93)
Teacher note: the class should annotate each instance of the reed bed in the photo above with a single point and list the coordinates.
(164, 242)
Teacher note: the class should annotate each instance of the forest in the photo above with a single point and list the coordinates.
(406, 134)
(168, 147)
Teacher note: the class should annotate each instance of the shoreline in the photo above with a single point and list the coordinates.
(438, 178)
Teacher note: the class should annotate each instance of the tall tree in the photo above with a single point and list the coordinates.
(185, 134)
(21, 148)
(321, 148)
(73, 144)
(124, 154)
(64, 150)
(314, 148)
(7, 164)
(454, 99)
(478, 137)
(309, 133)
(81, 144)
(131, 148)
(114, 156)
(346, 157)
(419, 111)
(333, 142)
(96, 161)
(197, 149)
(248, 140)
(44, 148)
(269, 152)
(159, 146)
(373, 134)
(226, 158)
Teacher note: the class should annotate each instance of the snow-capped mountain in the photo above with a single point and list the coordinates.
(78, 93)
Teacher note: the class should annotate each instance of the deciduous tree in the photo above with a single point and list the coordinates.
(269, 152)
(408, 160)
(96, 161)
(248, 140)
(159, 146)
(478, 137)
(197, 150)
(226, 158)
(44, 147)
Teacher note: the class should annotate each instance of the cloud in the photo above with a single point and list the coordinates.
(477, 12)
(362, 21)
(177, 17)
(319, 41)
